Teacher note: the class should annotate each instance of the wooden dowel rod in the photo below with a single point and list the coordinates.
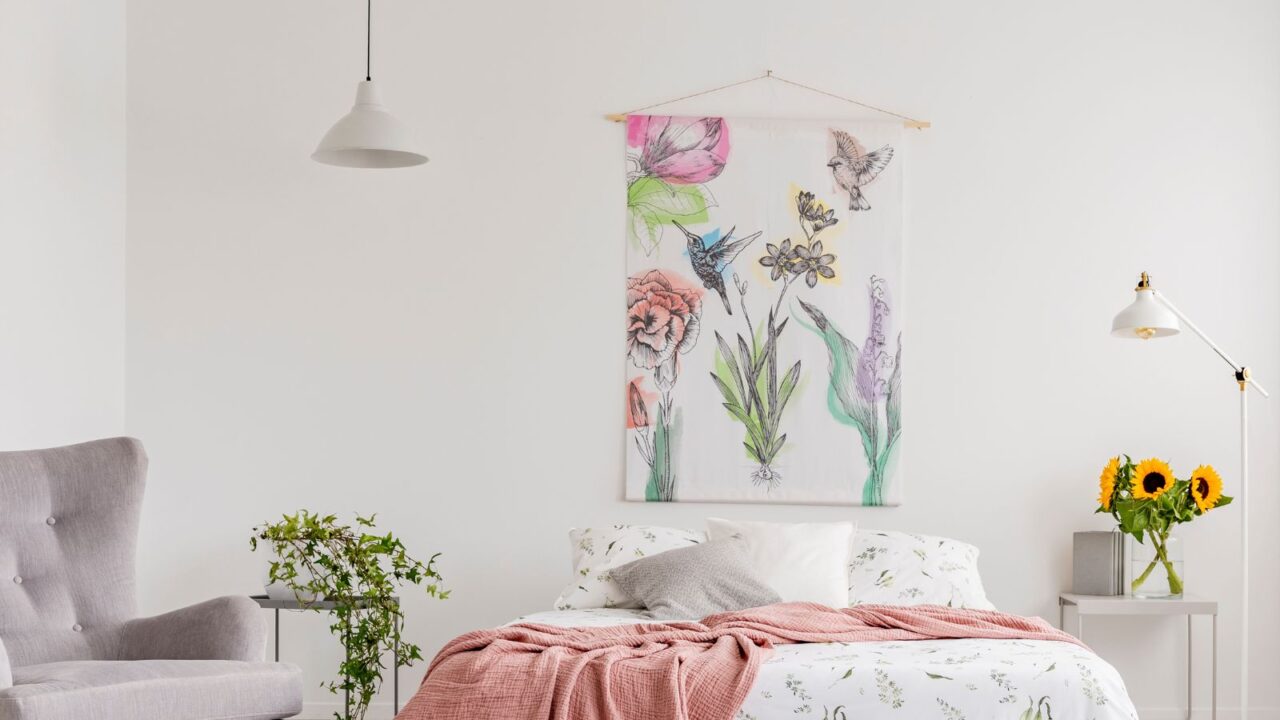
(913, 124)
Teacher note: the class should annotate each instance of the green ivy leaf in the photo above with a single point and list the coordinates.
(360, 572)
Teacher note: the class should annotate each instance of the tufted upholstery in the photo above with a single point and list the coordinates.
(68, 531)
(71, 644)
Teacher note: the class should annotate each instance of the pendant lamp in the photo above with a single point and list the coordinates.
(369, 136)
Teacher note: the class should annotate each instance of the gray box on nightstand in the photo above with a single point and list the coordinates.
(1098, 563)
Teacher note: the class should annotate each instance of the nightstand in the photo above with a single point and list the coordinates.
(1188, 605)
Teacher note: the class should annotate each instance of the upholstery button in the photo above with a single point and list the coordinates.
(17, 579)
(51, 521)
(76, 627)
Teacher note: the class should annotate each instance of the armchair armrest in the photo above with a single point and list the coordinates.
(6, 672)
(225, 628)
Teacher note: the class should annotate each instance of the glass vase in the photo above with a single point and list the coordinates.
(1155, 567)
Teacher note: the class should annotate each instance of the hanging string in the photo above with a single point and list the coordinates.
(859, 103)
(768, 75)
(699, 94)
(368, 41)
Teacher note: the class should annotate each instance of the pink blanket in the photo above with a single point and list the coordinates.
(671, 671)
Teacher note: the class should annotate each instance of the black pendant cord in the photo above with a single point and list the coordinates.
(368, 41)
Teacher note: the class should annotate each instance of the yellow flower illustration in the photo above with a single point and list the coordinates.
(1206, 487)
(1152, 478)
(1107, 483)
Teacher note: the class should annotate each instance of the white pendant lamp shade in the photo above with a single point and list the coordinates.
(1145, 318)
(368, 136)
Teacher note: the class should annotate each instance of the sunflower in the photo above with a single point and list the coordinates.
(1206, 487)
(1152, 478)
(1107, 483)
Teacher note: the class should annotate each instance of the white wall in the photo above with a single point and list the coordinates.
(443, 345)
(62, 173)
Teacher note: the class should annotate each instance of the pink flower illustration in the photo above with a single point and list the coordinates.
(682, 151)
(663, 320)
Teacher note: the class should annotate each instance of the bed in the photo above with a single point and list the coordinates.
(949, 679)
(766, 621)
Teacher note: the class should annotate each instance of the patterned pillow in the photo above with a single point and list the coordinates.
(896, 568)
(596, 551)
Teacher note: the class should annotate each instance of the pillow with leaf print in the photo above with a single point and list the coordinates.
(897, 568)
(596, 551)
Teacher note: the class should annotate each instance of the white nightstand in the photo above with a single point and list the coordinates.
(1188, 605)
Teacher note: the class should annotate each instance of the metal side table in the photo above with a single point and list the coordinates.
(1188, 605)
(292, 604)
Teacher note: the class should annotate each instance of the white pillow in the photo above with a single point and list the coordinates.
(598, 550)
(801, 561)
(896, 568)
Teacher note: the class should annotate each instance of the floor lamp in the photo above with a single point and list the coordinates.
(1152, 316)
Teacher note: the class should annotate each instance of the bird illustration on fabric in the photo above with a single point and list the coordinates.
(709, 262)
(854, 167)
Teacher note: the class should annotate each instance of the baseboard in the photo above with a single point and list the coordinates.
(382, 711)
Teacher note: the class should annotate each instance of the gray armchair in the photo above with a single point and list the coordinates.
(71, 647)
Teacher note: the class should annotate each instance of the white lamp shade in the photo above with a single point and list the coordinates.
(368, 136)
(1145, 318)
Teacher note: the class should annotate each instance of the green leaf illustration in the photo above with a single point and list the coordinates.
(643, 229)
(654, 203)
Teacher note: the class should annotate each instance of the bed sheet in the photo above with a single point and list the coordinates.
(948, 679)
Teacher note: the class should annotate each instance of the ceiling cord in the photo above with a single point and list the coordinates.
(368, 41)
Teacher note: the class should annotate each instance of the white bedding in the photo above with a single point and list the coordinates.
(948, 679)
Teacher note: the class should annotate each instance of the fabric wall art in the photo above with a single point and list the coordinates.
(764, 311)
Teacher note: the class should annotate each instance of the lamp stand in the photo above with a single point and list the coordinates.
(1242, 376)
(1244, 379)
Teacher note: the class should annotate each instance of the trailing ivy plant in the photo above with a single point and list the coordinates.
(359, 571)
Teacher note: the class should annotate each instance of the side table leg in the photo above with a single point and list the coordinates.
(1215, 667)
(277, 634)
(396, 669)
(1189, 656)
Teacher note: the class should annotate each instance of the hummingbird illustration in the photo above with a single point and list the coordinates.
(854, 167)
(709, 262)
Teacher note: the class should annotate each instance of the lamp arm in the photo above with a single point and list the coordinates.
(1212, 345)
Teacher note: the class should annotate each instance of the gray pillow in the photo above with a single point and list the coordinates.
(693, 582)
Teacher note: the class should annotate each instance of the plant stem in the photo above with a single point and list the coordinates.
(1160, 542)
(786, 283)
(1162, 552)
(1137, 582)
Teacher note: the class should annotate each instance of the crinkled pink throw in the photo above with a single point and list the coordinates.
(671, 671)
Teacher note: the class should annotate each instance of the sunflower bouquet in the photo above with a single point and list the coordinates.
(1147, 501)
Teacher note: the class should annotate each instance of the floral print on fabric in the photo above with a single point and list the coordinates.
(596, 551)
(897, 568)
